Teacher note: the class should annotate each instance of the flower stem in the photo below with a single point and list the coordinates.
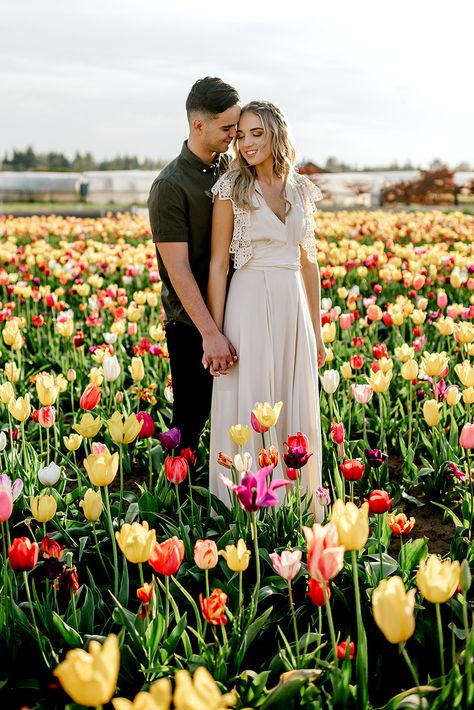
(112, 538)
(361, 659)
(410, 665)
(140, 570)
(330, 620)
(121, 485)
(256, 591)
(179, 507)
(167, 602)
(33, 617)
(295, 626)
(441, 644)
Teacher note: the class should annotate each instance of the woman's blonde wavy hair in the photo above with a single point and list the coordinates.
(284, 155)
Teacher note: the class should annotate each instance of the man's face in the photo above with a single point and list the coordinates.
(217, 133)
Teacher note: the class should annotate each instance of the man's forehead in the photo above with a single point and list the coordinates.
(229, 117)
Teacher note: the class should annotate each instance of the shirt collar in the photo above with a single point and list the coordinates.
(197, 163)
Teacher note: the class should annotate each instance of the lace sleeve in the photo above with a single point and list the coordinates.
(309, 195)
(241, 245)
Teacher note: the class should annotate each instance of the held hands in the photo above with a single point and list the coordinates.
(219, 354)
(322, 354)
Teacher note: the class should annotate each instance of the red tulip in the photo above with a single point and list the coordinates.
(341, 650)
(315, 591)
(189, 455)
(90, 398)
(293, 473)
(357, 361)
(167, 556)
(466, 438)
(352, 469)
(379, 350)
(337, 433)
(176, 468)
(23, 554)
(46, 416)
(379, 502)
(148, 426)
(213, 608)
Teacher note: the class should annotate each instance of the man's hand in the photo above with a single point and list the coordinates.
(219, 354)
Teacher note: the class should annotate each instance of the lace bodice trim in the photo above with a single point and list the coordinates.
(241, 245)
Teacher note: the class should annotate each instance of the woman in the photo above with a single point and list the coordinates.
(263, 215)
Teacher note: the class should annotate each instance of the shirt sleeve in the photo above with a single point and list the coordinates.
(167, 213)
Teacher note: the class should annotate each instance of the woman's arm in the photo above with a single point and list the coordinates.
(312, 284)
(222, 229)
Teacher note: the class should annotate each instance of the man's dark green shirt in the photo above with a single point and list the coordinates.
(180, 210)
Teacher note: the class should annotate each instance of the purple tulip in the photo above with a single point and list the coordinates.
(170, 439)
(375, 457)
(253, 492)
(296, 456)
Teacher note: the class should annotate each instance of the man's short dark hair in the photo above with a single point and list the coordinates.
(212, 96)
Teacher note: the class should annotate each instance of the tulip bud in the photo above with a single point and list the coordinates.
(71, 375)
(205, 554)
(43, 508)
(465, 577)
(452, 395)
(91, 505)
(49, 475)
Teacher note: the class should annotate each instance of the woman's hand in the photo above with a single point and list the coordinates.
(322, 353)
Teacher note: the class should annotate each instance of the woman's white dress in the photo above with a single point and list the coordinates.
(267, 320)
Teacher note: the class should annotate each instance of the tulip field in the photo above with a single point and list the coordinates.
(125, 584)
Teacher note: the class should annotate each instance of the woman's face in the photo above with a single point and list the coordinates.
(253, 143)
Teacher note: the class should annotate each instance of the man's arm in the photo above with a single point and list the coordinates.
(220, 353)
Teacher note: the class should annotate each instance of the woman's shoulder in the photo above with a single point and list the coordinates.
(307, 186)
(223, 186)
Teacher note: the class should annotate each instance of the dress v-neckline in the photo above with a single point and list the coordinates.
(260, 192)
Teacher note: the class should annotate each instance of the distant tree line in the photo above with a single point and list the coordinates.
(30, 160)
(430, 187)
(53, 161)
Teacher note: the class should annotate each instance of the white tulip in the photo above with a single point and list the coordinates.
(330, 381)
(111, 368)
(3, 440)
(49, 475)
(243, 464)
(110, 338)
(326, 304)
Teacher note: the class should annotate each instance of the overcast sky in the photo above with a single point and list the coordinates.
(368, 82)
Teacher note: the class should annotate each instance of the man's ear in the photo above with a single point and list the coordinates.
(197, 125)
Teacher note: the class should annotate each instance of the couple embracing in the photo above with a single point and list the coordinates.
(241, 288)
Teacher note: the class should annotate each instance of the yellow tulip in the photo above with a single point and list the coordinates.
(43, 508)
(393, 610)
(418, 317)
(453, 395)
(431, 412)
(99, 355)
(134, 314)
(157, 333)
(7, 392)
(88, 427)
(445, 325)
(468, 395)
(342, 292)
(386, 364)
(464, 332)
(118, 327)
(437, 580)
(267, 415)
(12, 372)
(240, 434)
(72, 442)
(96, 376)
(102, 467)
(158, 697)
(405, 352)
(397, 318)
(92, 505)
(379, 381)
(90, 677)
(61, 383)
(47, 389)
(455, 280)
(139, 297)
(136, 541)
(329, 332)
(346, 370)
(201, 692)
(152, 299)
(124, 432)
(434, 364)
(329, 355)
(352, 524)
(409, 370)
(465, 372)
(136, 369)
(236, 556)
(20, 408)
(65, 328)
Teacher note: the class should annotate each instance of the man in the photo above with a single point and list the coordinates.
(180, 209)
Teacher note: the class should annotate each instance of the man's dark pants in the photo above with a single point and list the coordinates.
(192, 384)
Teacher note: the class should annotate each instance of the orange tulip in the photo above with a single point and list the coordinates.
(90, 398)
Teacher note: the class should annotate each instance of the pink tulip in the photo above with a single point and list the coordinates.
(256, 426)
(442, 299)
(346, 320)
(9, 492)
(362, 393)
(325, 555)
(466, 438)
(46, 417)
(288, 564)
